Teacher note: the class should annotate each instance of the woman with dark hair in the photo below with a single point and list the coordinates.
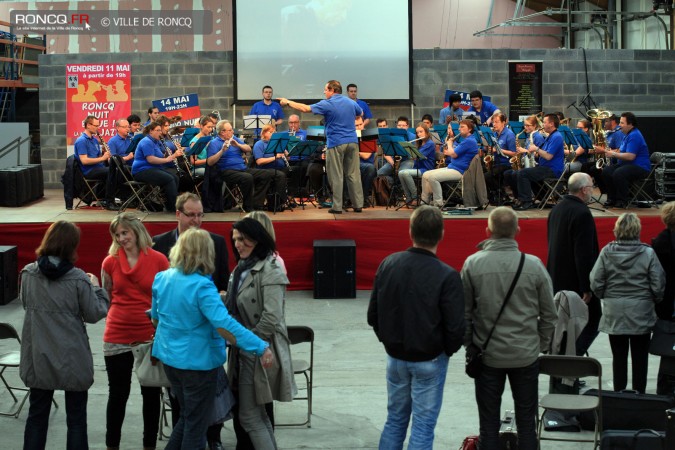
(192, 326)
(151, 165)
(426, 146)
(256, 296)
(55, 354)
(664, 246)
(127, 274)
(628, 279)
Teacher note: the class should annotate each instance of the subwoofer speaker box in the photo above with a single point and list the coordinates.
(9, 271)
(334, 269)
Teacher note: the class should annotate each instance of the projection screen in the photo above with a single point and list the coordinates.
(296, 46)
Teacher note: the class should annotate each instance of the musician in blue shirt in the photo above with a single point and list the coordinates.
(274, 161)
(482, 109)
(453, 112)
(119, 144)
(225, 152)
(458, 158)
(387, 168)
(267, 107)
(352, 90)
(151, 165)
(506, 141)
(632, 163)
(298, 176)
(93, 161)
(407, 177)
(551, 162)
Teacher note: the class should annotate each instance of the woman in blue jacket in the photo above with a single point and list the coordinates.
(192, 326)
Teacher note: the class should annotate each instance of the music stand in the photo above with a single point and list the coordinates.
(389, 140)
(415, 154)
(316, 133)
(303, 149)
(255, 122)
(441, 131)
(277, 146)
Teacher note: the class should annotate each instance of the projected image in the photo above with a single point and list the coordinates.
(296, 46)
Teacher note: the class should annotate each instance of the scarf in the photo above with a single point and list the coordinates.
(53, 267)
(231, 299)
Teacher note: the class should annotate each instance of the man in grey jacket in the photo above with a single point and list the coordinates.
(523, 330)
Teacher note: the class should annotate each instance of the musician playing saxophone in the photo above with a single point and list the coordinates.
(151, 165)
(632, 163)
(551, 162)
(274, 160)
(530, 125)
(506, 141)
(458, 158)
(225, 153)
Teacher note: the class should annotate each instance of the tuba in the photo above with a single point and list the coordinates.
(599, 136)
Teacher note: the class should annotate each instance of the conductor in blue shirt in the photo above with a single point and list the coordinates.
(342, 155)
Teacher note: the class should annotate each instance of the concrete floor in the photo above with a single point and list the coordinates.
(349, 387)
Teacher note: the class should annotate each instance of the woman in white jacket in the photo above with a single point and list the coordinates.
(629, 280)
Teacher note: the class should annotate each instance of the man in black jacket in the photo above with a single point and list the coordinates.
(572, 251)
(417, 311)
(189, 213)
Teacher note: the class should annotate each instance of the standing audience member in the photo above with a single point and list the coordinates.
(189, 313)
(416, 312)
(342, 155)
(523, 330)
(266, 222)
(664, 246)
(256, 296)
(629, 280)
(572, 251)
(127, 274)
(55, 352)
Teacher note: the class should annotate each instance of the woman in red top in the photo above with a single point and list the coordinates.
(127, 274)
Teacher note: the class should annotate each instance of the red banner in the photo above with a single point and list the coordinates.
(101, 90)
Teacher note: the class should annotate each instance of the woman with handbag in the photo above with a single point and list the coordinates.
(127, 274)
(628, 279)
(664, 246)
(192, 325)
(55, 354)
(256, 296)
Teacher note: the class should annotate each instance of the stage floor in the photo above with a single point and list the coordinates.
(377, 232)
(52, 208)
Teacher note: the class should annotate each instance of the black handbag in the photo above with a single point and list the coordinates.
(663, 339)
(473, 358)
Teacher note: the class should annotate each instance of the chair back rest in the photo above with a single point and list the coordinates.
(8, 332)
(123, 169)
(299, 333)
(563, 366)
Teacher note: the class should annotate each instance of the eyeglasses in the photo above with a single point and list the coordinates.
(198, 215)
(588, 186)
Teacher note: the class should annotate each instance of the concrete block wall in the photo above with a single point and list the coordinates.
(619, 80)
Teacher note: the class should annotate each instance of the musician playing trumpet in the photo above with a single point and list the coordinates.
(458, 158)
(153, 166)
(93, 160)
(275, 160)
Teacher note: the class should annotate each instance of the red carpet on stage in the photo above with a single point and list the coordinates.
(375, 239)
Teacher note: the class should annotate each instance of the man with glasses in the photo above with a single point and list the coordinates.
(93, 161)
(189, 214)
(573, 249)
(119, 144)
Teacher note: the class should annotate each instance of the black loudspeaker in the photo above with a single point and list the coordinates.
(335, 269)
(9, 273)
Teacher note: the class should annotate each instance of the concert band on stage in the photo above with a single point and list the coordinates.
(267, 174)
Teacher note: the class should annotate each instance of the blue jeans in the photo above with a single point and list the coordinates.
(195, 390)
(37, 424)
(417, 388)
(524, 387)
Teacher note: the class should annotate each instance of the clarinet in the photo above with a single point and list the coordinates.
(168, 152)
(106, 149)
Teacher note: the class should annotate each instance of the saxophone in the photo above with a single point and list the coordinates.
(516, 160)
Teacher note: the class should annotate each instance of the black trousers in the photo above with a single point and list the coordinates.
(639, 355)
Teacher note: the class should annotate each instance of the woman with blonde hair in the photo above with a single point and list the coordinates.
(127, 274)
(628, 279)
(59, 299)
(192, 326)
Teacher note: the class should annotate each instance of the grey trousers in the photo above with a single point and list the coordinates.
(253, 417)
(342, 163)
